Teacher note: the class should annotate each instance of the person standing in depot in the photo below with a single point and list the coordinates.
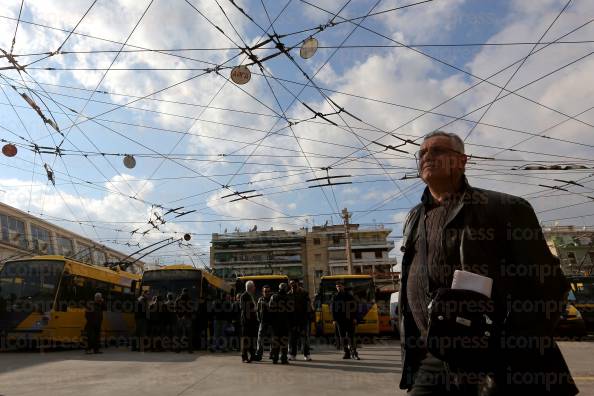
(281, 308)
(264, 317)
(184, 309)
(494, 235)
(300, 325)
(170, 319)
(141, 319)
(249, 323)
(94, 319)
(344, 314)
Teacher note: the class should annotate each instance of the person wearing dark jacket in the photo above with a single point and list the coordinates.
(281, 309)
(221, 312)
(170, 321)
(264, 317)
(344, 314)
(94, 319)
(495, 235)
(157, 321)
(249, 323)
(300, 325)
(235, 340)
(184, 309)
(141, 319)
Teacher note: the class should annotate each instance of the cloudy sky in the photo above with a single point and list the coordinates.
(151, 79)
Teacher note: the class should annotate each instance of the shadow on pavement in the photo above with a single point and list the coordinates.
(15, 360)
(360, 366)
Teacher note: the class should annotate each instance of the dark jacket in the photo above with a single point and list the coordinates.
(157, 312)
(498, 235)
(303, 310)
(343, 307)
(249, 315)
(170, 312)
(94, 316)
(141, 308)
(184, 306)
(281, 309)
(263, 308)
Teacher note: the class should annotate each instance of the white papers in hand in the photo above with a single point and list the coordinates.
(470, 281)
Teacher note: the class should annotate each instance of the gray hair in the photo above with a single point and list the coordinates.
(98, 295)
(249, 284)
(457, 142)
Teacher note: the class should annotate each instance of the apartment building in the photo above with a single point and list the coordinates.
(305, 254)
(258, 253)
(370, 248)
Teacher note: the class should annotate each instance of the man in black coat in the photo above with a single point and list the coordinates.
(141, 319)
(300, 325)
(282, 309)
(249, 323)
(185, 310)
(94, 319)
(494, 235)
(344, 314)
(265, 319)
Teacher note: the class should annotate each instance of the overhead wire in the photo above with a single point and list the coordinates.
(517, 69)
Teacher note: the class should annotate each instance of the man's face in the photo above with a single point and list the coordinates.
(439, 161)
(294, 286)
(251, 289)
(266, 292)
(340, 288)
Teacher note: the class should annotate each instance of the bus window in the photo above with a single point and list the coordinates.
(361, 289)
(30, 285)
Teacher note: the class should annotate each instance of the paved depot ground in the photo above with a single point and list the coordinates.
(121, 372)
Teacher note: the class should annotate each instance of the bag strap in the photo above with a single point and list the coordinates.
(423, 256)
(422, 233)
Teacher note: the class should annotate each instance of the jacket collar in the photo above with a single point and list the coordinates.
(466, 191)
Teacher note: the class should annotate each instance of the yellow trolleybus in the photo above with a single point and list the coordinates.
(202, 286)
(43, 300)
(203, 289)
(362, 288)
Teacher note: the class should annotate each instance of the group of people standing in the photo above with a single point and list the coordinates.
(165, 323)
(283, 320)
(280, 319)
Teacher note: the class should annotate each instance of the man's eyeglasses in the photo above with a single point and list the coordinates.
(436, 152)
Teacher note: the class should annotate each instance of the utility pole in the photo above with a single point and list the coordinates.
(346, 216)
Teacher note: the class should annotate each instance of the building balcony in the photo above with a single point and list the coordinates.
(388, 263)
(389, 245)
(257, 262)
(238, 249)
(256, 265)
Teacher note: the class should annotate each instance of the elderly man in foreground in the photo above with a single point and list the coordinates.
(496, 236)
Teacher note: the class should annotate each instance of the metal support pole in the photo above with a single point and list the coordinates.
(346, 216)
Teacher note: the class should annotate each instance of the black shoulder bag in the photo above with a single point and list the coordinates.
(462, 330)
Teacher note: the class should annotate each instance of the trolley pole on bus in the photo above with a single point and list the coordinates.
(346, 216)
